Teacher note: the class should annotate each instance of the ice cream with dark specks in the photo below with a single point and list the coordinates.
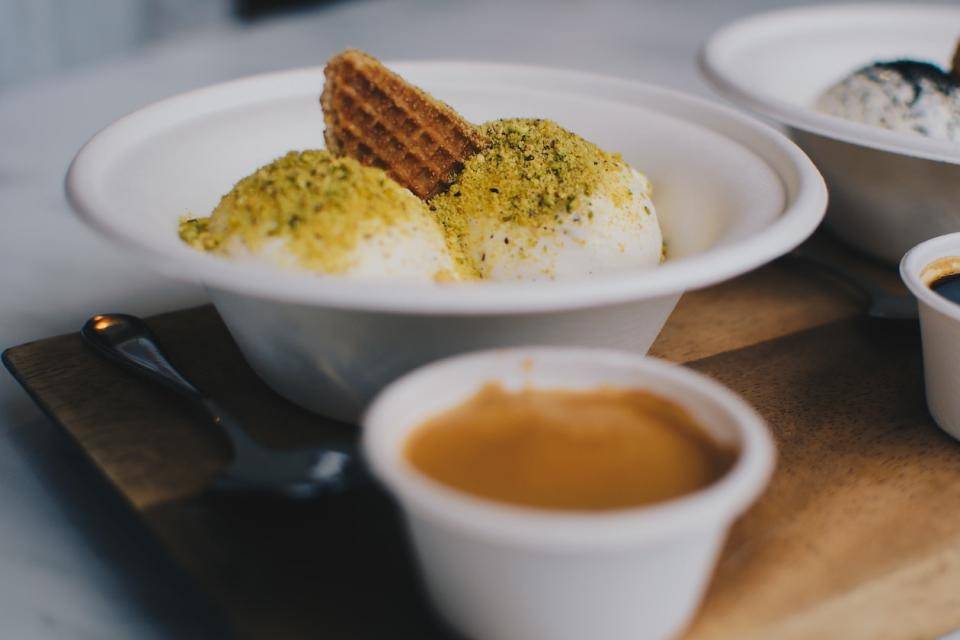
(902, 95)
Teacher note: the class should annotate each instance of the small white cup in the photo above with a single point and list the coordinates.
(939, 327)
(503, 572)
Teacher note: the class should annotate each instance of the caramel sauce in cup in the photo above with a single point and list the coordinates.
(600, 449)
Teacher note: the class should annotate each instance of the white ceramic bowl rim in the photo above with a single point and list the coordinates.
(802, 213)
(724, 499)
(808, 119)
(917, 259)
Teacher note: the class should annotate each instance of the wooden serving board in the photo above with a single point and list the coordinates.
(858, 535)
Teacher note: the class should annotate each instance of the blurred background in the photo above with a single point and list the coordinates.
(41, 38)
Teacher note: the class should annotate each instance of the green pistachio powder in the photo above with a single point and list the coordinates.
(531, 173)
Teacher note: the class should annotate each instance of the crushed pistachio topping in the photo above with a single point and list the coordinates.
(533, 179)
(196, 233)
(320, 205)
(532, 174)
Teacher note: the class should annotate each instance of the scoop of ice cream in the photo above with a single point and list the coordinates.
(311, 211)
(541, 203)
(906, 96)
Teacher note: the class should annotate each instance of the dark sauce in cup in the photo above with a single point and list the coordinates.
(948, 287)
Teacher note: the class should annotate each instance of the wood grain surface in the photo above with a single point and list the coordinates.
(858, 535)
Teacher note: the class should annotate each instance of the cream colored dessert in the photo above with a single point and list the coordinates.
(518, 199)
(541, 203)
(907, 96)
(311, 211)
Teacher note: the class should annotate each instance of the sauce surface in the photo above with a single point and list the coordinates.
(575, 450)
(948, 287)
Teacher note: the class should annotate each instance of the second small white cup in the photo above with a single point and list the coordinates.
(501, 572)
(939, 326)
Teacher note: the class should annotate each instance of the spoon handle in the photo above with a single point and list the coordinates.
(128, 340)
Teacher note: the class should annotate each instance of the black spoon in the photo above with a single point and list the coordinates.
(298, 474)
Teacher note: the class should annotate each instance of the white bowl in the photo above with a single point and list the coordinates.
(732, 194)
(888, 190)
(940, 329)
(504, 572)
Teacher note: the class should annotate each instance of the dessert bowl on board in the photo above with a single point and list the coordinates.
(731, 194)
(888, 190)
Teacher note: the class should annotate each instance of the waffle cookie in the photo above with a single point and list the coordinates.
(378, 118)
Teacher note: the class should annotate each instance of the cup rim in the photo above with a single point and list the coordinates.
(721, 501)
(914, 262)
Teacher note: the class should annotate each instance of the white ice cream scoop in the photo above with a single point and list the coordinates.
(412, 250)
(596, 236)
(542, 203)
(903, 95)
(310, 211)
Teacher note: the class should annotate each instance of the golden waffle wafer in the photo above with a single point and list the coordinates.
(378, 118)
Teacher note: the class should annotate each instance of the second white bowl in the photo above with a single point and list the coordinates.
(888, 190)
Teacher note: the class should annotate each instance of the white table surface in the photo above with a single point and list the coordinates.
(73, 562)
